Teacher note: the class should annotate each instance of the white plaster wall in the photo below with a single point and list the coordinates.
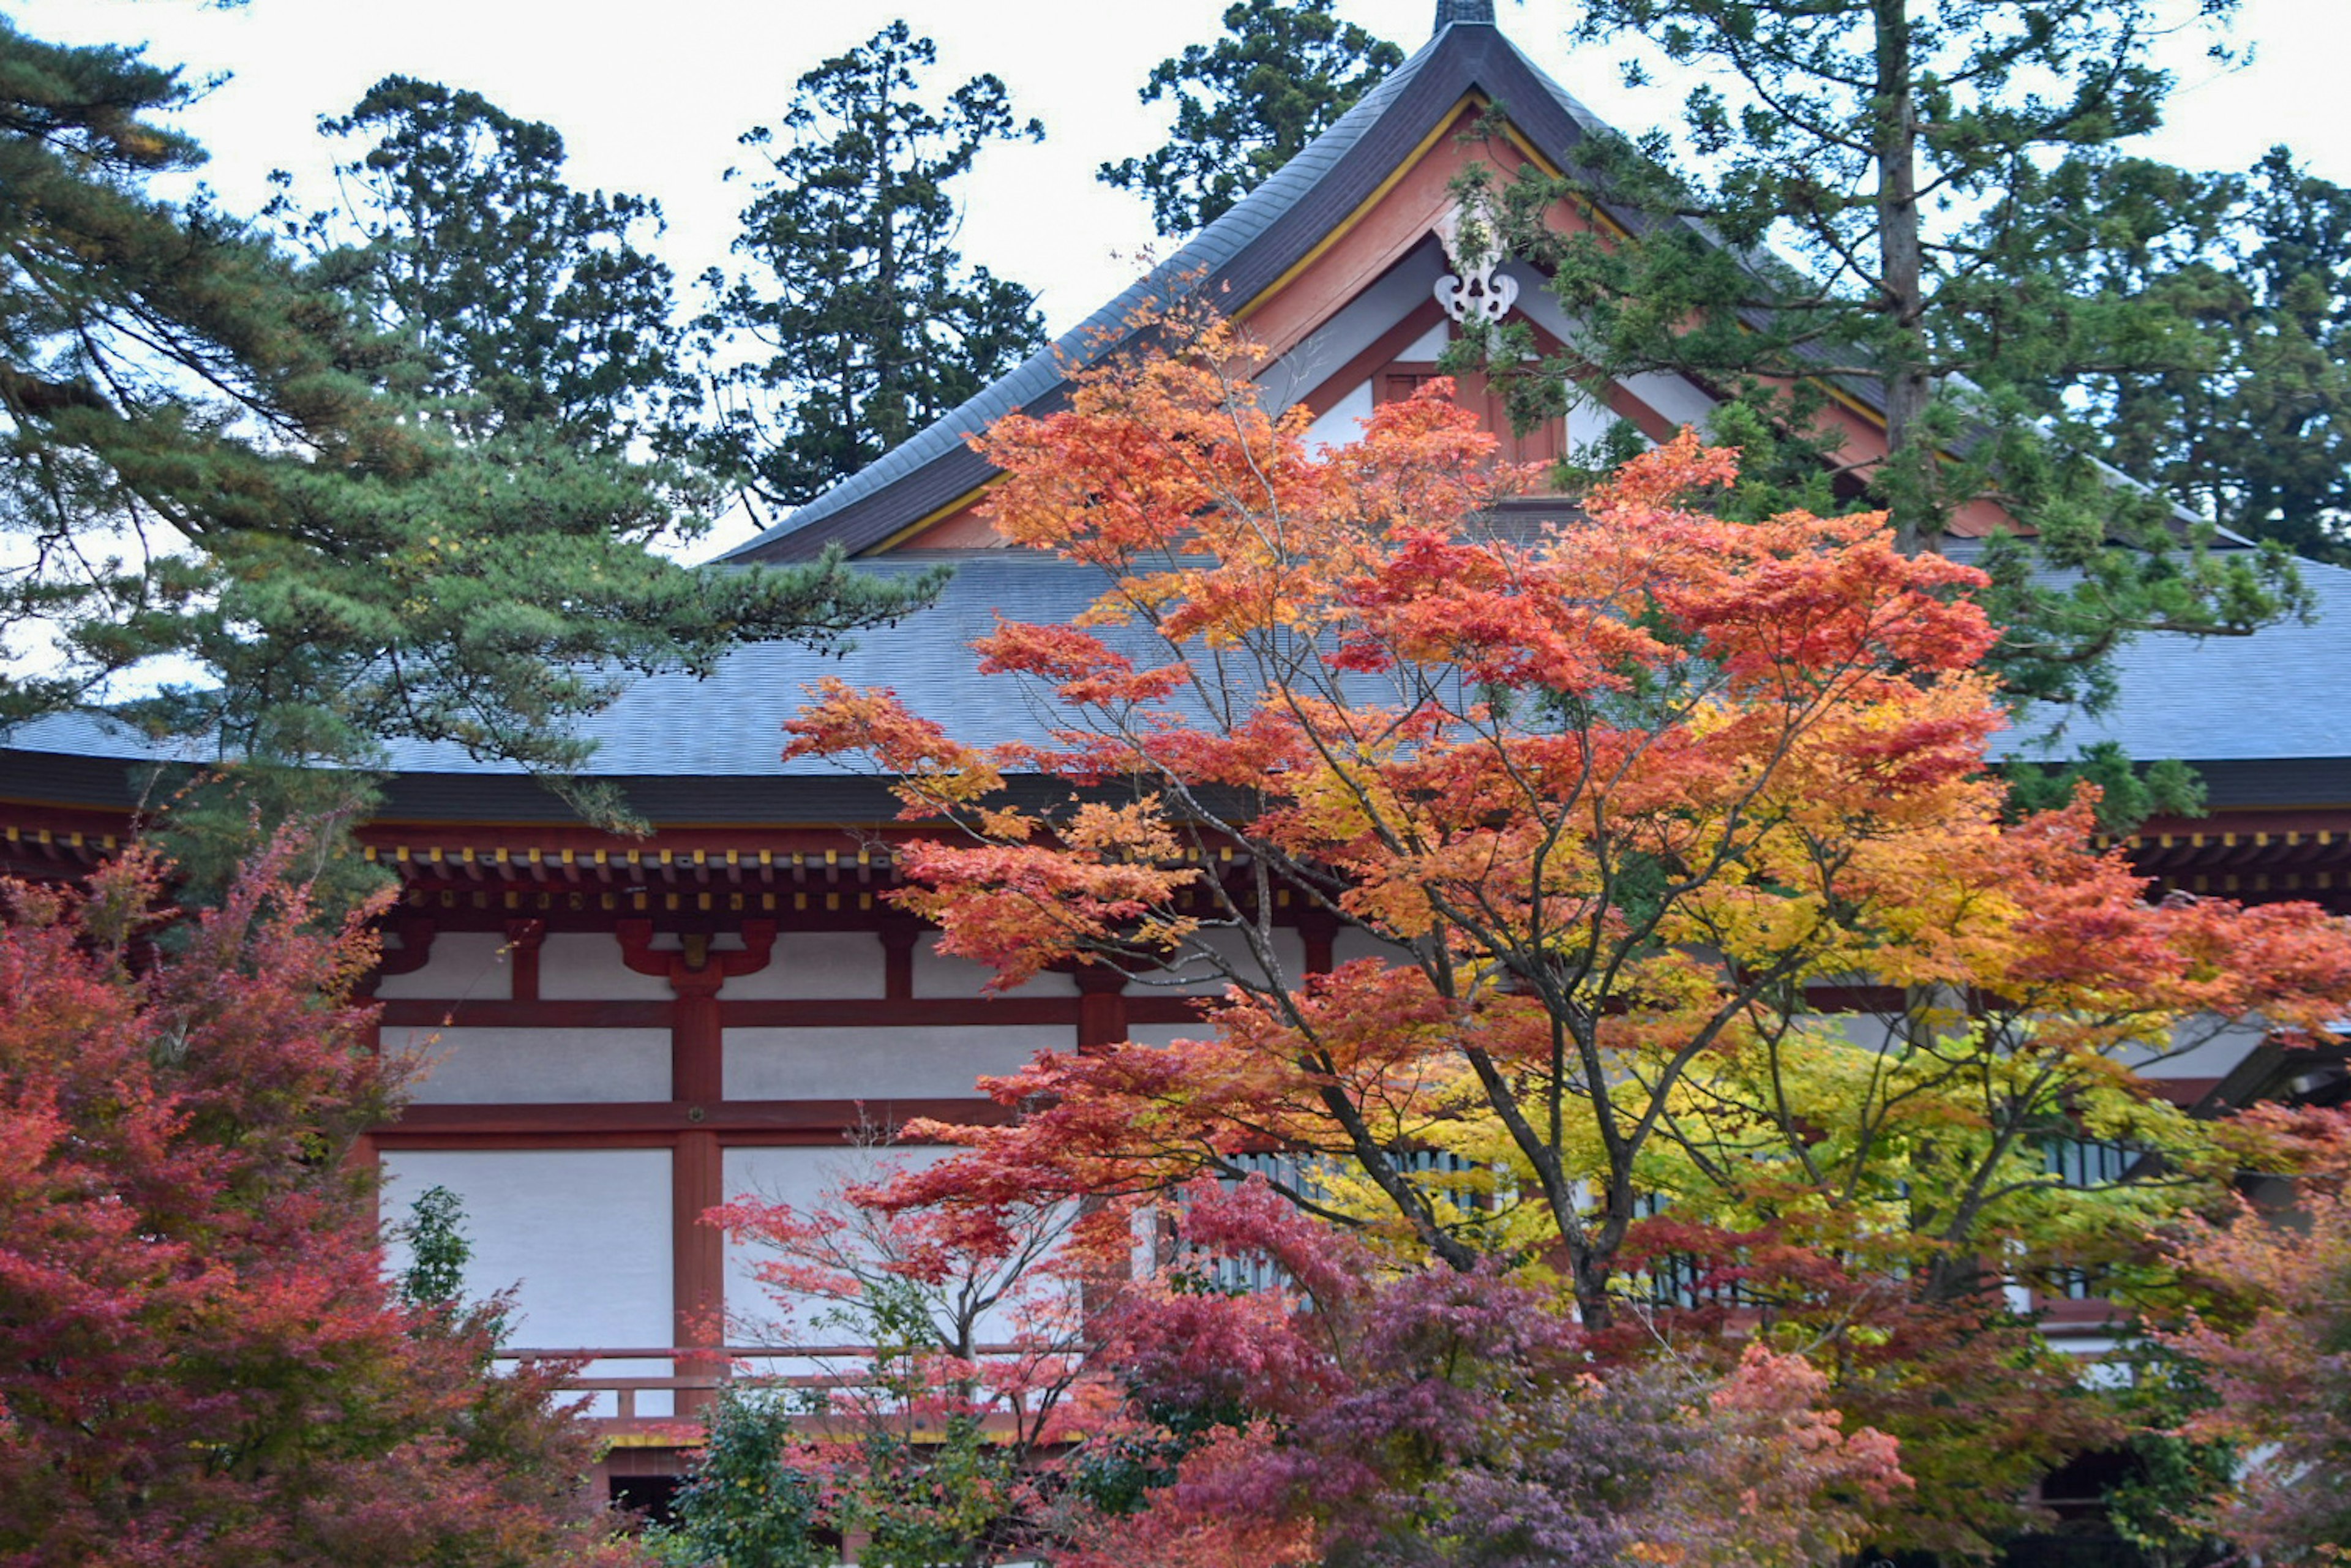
(2205, 1050)
(581, 1235)
(1166, 1034)
(527, 1066)
(1199, 976)
(1589, 423)
(808, 1179)
(1429, 346)
(938, 975)
(1359, 324)
(875, 1065)
(585, 966)
(1341, 425)
(465, 966)
(1349, 943)
(815, 964)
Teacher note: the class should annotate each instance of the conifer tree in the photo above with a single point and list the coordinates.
(1902, 155)
(1282, 74)
(533, 304)
(2255, 433)
(855, 317)
(210, 459)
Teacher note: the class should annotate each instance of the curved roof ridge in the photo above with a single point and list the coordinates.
(1042, 371)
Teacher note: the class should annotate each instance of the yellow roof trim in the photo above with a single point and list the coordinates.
(1396, 177)
(940, 516)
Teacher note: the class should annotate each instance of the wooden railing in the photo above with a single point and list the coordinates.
(703, 1370)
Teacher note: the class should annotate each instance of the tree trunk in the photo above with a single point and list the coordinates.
(1907, 482)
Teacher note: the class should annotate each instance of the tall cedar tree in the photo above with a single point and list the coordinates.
(1905, 154)
(208, 456)
(1591, 815)
(1282, 74)
(201, 1361)
(532, 305)
(857, 321)
(2255, 433)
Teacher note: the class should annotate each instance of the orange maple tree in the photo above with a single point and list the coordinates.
(1674, 906)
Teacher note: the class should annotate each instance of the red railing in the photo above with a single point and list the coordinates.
(702, 1370)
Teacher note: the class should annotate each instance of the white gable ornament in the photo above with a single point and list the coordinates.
(1475, 289)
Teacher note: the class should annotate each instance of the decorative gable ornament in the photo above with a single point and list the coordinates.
(1475, 289)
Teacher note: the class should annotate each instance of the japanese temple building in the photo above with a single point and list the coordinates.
(629, 1030)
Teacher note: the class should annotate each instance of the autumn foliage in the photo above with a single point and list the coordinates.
(199, 1362)
(1608, 894)
(2272, 1343)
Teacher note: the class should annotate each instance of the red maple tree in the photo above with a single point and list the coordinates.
(200, 1362)
(1690, 919)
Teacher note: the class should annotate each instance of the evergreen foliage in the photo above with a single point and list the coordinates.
(211, 461)
(1282, 74)
(2253, 428)
(744, 1505)
(1910, 157)
(531, 304)
(437, 1251)
(856, 319)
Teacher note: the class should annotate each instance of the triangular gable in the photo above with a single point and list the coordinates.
(1310, 260)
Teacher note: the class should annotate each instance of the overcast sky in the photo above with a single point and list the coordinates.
(651, 97)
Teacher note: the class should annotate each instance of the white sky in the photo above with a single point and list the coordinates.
(650, 98)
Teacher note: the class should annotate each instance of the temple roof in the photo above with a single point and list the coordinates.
(1239, 257)
(2250, 711)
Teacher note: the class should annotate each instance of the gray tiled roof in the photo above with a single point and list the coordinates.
(2257, 708)
(2278, 693)
(728, 725)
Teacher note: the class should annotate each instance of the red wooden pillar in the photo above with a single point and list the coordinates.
(523, 937)
(1318, 932)
(697, 1067)
(1101, 1007)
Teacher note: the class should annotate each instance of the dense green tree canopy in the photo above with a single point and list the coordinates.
(2255, 431)
(855, 321)
(1907, 156)
(533, 303)
(213, 463)
(1282, 74)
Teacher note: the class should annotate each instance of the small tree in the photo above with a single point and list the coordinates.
(930, 1437)
(2273, 1344)
(1282, 74)
(437, 1251)
(1351, 1413)
(200, 1361)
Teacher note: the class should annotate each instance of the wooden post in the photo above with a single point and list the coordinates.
(697, 1083)
(523, 937)
(1101, 1007)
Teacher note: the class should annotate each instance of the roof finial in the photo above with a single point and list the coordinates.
(1466, 11)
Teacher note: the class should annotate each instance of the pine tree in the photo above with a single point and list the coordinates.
(1282, 74)
(856, 317)
(1902, 155)
(2256, 432)
(210, 457)
(533, 304)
